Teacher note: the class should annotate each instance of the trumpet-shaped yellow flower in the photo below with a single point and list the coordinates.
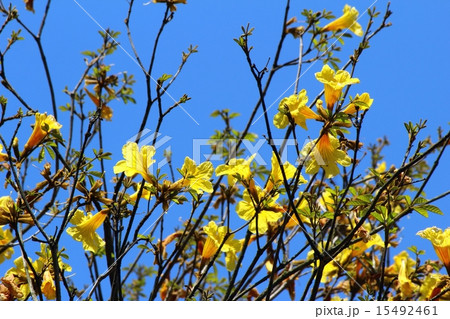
(3, 156)
(260, 209)
(347, 21)
(171, 3)
(441, 243)
(432, 286)
(325, 154)
(404, 266)
(293, 221)
(9, 213)
(362, 102)
(295, 106)
(334, 82)
(216, 236)
(136, 161)
(345, 257)
(20, 276)
(197, 177)
(236, 168)
(48, 286)
(276, 175)
(85, 229)
(146, 194)
(5, 238)
(43, 125)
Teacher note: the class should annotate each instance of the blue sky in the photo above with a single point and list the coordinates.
(405, 70)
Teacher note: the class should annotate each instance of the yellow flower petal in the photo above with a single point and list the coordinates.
(216, 236)
(260, 211)
(85, 231)
(347, 21)
(5, 238)
(43, 125)
(136, 161)
(363, 102)
(197, 177)
(236, 167)
(441, 243)
(325, 154)
(295, 105)
(334, 83)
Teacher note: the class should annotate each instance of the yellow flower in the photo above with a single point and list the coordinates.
(293, 221)
(5, 238)
(85, 229)
(136, 161)
(334, 83)
(146, 193)
(326, 201)
(404, 265)
(106, 112)
(197, 177)
(259, 209)
(432, 286)
(325, 154)
(43, 125)
(344, 258)
(346, 21)
(363, 102)
(48, 286)
(20, 276)
(9, 213)
(236, 168)
(171, 3)
(276, 176)
(3, 156)
(215, 238)
(441, 243)
(295, 105)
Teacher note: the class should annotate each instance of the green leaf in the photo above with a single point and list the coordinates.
(41, 155)
(433, 209)
(378, 217)
(421, 211)
(50, 152)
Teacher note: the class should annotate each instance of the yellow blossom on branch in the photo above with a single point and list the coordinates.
(43, 125)
(343, 259)
(276, 175)
(334, 82)
(432, 286)
(5, 238)
(85, 229)
(136, 161)
(260, 209)
(216, 236)
(20, 276)
(404, 265)
(441, 243)
(295, 107)
(236, 168)
(3, 156)
(325, 154)
(146, 193)
(347, 21)
(106, 112)
(197, 177)
(362, 102)
(9, 214)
